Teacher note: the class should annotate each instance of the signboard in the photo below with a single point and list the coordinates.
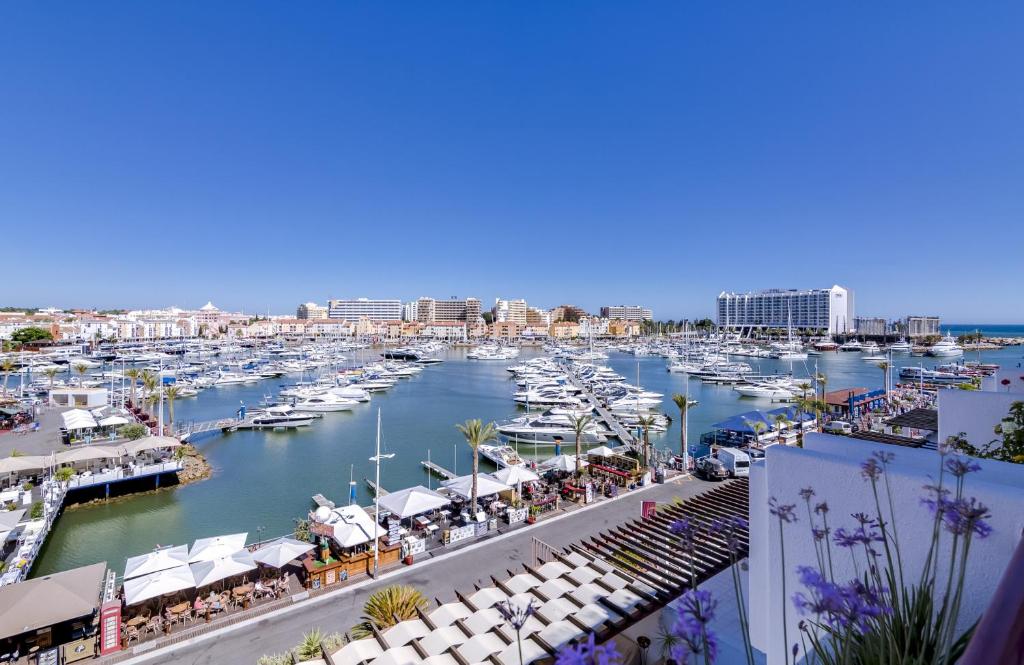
(330, 576)
(516, 515)
(589, 497)
(647, 508)
(394, 526)
(414, 546)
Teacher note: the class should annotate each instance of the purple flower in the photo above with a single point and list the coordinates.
(697, 605)
(965, 516)
(695, 640)
(961, 466)
(854, 604)
(730, 530)
(819, 534)
(806, 493)
(784, 511)
(859, 536)
(862, 518)
(589, 653)
(883, 457)
(870, 469)
(821, 508)
(515, 614)
(686, 530)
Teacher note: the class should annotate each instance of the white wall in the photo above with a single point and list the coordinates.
(831, 465)
(1014, 375)
(975, 413)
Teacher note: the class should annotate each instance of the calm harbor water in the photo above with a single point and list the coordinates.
(265, 479)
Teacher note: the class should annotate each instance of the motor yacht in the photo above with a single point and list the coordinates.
(902, 346)
(502, 456)
(351, 392)
(543, 429)
(768, 390)
(326, 403)
(852, 345)
(281, 416)
(945, 348)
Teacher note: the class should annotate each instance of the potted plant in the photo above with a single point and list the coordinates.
(531, 517)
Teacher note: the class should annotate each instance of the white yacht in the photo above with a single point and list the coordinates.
(871, 348)
(902, 346)
(281, 416)
(351, 392)
(764, 390)
(502, 456)
(543, 429)
(852, 345)
(326, 403)
(945, 348)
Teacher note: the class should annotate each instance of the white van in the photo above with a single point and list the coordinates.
(838, 427)
(736, 462)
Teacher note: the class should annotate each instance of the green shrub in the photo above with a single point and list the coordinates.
(36, 511)
(133, 431)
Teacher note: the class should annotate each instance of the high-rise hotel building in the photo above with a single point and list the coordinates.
(375, 310)
(813, 309)
(627, 313)
(428, 310)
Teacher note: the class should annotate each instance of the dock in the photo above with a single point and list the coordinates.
(322, 502)
(438, 470)
(603, 414)
(373, 486)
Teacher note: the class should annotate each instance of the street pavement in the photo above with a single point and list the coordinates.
(437, 577)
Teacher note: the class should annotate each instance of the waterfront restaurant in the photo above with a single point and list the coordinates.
(346, 537)
(853, 402)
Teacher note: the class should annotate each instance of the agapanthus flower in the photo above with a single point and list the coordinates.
(883, 457)
(859, 536)
(862, 518)
(729, 529)
(806, 493)
(698, 605)
(870, 469)
(821, 508)
(686, 530)
(961, 466)
(588, 653)
(515, 614)
(819, 534)
(963, 516)
(784, 511)
(853, 604)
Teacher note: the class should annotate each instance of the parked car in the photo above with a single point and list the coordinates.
(710, 468)
(838, 427)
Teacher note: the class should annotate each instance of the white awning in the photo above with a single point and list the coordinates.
(486, 485)
(78, 419)
(87, 453)
(150, 443)
(565, 463)
(352, 526)
(113, 421)
(157, 584)
(413, 501)
(602, 451)
(281, 551)
(210, 571)
(208, 549)
(153, 562)
(513, 475)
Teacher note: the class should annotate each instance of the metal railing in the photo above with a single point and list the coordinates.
(115, 475)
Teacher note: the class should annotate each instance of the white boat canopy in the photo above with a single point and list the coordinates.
(208, 549)
(280, 552)
(157, 584)
(486, 485)
(215, 570)
(153, 562)
(413, 501)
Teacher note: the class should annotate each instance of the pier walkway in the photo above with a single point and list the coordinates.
(373, 486)
(438, 470)
(322, 502)
(603, 414)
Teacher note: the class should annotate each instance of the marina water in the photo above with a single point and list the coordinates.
(263, 480)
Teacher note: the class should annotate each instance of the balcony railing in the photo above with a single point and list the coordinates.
(117, 475)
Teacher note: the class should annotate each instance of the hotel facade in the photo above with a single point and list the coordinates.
(364, 308)
(829, 309)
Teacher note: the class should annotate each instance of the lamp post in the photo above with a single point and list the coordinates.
(376, 500)
(259, 535)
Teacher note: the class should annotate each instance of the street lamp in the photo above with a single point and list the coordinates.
(259, 535)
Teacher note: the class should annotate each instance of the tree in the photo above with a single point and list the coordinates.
(1011, 446)
(81, 369)
(132, 375)
(149, 382)
(309, 647)
(7, 366)
(759, 428)
(646, 423)
(579, 425)
(477, 434)
(884, 366)
(387, 607)
(31, 334)
(171, 393)
(780, 421)
(133, 431)
(684, 408)
(51, 374)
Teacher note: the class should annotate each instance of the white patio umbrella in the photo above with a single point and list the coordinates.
(486, 485)
(566, 463)
(152, 562)
(413, 501)
(210, 571)
(514, 475)
(111, 421)
(279, 552)
(602, 451)
(157, 584)
(208, 549)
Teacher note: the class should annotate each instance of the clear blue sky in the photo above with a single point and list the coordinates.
(263, 154)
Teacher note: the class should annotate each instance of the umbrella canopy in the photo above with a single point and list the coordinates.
(157, 584)
(153, 562)
(50, 600)
(150, 443)
(208, 549)
(602, 451)
(486, 485)
(279, 552)
(413, 501)
(353, 526)
(24, 463)
(565, 463)
(111, 421)
(78, 419)
(513, 475)
(210, 571)
(87, 453)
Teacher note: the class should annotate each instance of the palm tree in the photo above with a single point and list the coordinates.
(148, 386)
(51, 373)
(822, 381)
(684, 408)
(579, 425)
(171, 393)
(81, 369)
(132, 375)
(884, 366)
(477, 434)
(804, 387)
(646, 423)
(7, 366)
(309, 647)
(780, 421)
(387, 607)
(758, 427)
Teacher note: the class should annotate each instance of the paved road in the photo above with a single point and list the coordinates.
(280, 631)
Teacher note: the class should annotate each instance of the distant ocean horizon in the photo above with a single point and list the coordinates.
(986, 329)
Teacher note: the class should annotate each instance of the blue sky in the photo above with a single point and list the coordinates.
(263, 154)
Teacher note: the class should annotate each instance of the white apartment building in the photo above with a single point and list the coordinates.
(365, 308)
(510, 311)
(592, 325)
(627, 313)
(311, 310)
(812, 309)
(410, 311)
(454, 331)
